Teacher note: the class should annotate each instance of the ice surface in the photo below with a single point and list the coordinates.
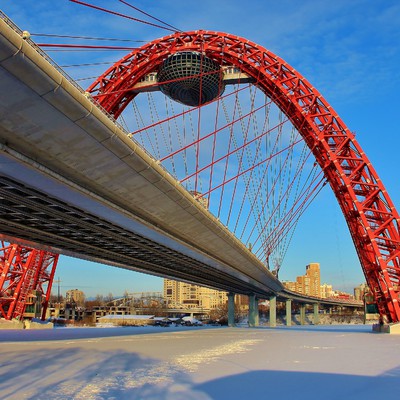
(307, 362)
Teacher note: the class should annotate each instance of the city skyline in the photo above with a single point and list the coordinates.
(290, 285)
(350, 54)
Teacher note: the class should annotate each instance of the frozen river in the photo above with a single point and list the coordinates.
(309, 362)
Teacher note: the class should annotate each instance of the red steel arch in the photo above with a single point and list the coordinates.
(367, 208)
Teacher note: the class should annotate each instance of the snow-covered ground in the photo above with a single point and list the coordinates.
(300, 362)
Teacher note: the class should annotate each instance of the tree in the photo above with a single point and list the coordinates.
(109, 298)
(220, 314)
(126, 297)
(98, 300)
(55, 298)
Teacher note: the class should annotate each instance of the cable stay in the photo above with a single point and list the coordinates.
(53, 35)
(149, 15)
(122, 15)
(247, 163)
(238, 155)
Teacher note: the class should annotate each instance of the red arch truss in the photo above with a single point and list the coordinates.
(367, 208)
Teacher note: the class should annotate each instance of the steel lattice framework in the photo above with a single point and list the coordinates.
(22, 271)
(370, 214)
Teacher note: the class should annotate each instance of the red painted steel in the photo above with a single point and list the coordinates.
(367, 208)
(22, 271)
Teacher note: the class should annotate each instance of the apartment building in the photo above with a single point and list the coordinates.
(187, 295)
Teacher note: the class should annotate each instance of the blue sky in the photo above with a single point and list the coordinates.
(350, 51)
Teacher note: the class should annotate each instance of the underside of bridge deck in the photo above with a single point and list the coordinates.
(34, 217)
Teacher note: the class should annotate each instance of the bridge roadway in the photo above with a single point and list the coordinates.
(71, 180)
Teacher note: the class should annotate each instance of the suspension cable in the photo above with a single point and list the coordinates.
(87, 64)
(233, 152)
(245, 130)
(261, 183)
(189, 110)
(197, 145)
(261, 220)
(86, 37)
(228, 125)
(120, 15)
(229, 149)
(82, 46)
(257, 157)
(149, 15)
(299, 211)
(247, 170)
(293, 212)
(272, 214)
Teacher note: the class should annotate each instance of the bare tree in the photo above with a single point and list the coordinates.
(108, 298)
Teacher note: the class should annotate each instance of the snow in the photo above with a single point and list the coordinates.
(192, 320)
(199, 363)
(126, 317)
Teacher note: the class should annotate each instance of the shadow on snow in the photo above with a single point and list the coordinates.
(77, 373)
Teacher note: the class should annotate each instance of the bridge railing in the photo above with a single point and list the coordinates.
(299, 297)
(11, 24)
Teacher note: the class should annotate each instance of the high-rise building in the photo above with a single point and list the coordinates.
(313, 280)
(302, 284)
(185, 294)
(308, 284)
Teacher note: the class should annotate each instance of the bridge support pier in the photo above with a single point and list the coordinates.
(288, 312)
(272, 311)
(253, 311)
(302, 314)
(231, 309)
(316, 314)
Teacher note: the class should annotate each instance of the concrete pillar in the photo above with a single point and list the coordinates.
(302, 314)
(231, 309)
(272, 311)
(316, 314)
(251, 316)
(288, 312)
(256, 312)
(253, 311)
